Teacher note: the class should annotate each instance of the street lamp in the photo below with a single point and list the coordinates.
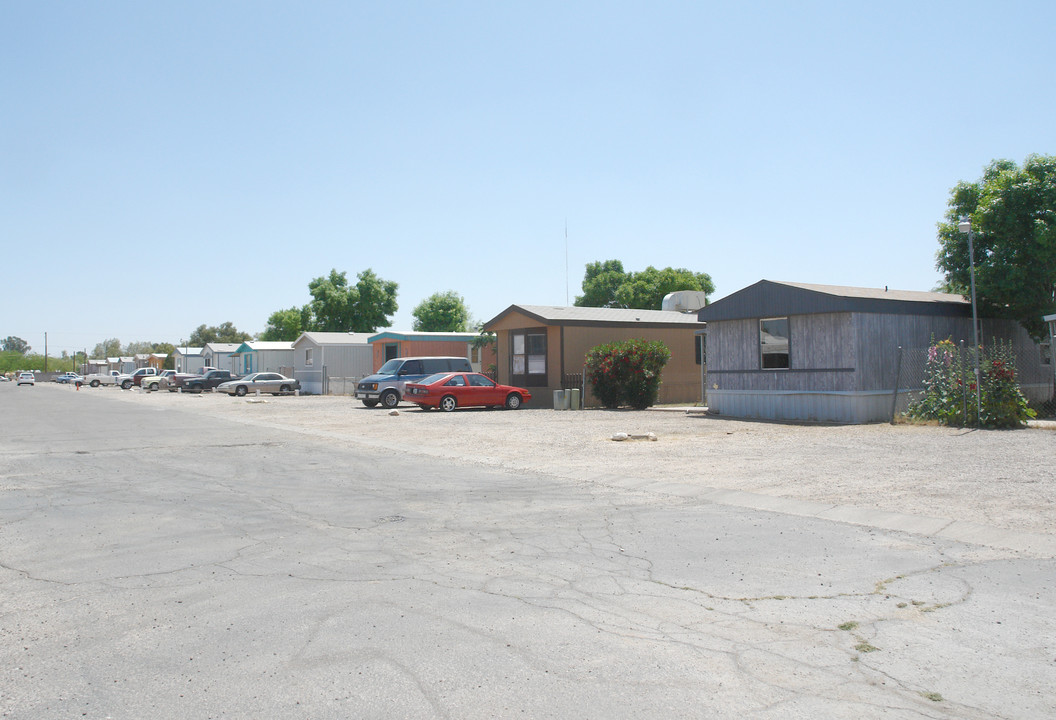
(965, 226)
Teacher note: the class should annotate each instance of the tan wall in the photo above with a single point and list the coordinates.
(681, 379)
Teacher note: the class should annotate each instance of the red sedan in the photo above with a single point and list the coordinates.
(450, 390)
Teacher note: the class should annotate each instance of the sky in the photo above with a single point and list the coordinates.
(169, 165)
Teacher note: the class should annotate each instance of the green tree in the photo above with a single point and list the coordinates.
(646, 289)
(605, 284)
(441, 312)
(139, 348)
(600, 282)
(375, 302)
(107, 348)
(223, 333)
(16, 344)
(285, 324)
(1013, 215)
(338, 307)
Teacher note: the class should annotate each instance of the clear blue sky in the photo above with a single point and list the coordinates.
(165, 165)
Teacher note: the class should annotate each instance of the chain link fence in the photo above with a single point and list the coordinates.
(912, 377)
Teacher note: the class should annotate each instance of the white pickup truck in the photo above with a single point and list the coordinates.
(104, 378)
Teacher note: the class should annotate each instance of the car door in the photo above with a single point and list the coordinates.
(484, 390)
(456, 385)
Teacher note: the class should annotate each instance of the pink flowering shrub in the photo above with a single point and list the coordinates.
(627, 373)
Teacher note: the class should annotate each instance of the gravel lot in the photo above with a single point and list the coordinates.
(1004, 479)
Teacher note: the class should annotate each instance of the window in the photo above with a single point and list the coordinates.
(1046, 353)
(392, 351)
(774, 343)
(456, 381)
(528, 358)
(701, 349)
(480, 381)
(308, 357)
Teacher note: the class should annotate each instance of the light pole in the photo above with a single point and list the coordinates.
(965, 226)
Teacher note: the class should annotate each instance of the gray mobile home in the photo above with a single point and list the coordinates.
(793, 351)
(330, 362)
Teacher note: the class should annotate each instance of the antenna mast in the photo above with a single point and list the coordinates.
(566, 262)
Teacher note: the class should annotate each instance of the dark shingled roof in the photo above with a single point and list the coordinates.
(768, 298)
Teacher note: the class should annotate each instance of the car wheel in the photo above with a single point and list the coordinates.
(284, 389)
(126, 384)
(390, 399)
(448, 403)
(241, 390)
(513, 401)
(154, 387)
(94, 383)
(370, 403)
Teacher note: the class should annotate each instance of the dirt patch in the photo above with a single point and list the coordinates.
(1000, 478)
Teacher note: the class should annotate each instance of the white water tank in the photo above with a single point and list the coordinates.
(684, 301)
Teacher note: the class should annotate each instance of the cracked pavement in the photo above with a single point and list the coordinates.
(166, 564)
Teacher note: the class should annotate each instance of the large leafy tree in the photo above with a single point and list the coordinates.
(223, 333)
(337, 306)
(600, 282)
(605, 284)
(441, 312)
(107, 348)
(286, 324)
(139, 348)
(13, 343)
(1013, 214)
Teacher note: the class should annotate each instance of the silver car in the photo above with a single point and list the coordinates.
(265, 382)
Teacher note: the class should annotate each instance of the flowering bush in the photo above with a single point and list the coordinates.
(627, 373)
(949, 388)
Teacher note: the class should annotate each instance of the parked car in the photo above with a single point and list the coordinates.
(448, 391)
(387, 384)
(179, 379)
(102, 378)
(68, 378)
(158, 381)
(265, 382)
(211, 380)
(27, 378)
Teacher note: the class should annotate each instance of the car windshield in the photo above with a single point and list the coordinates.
(432, 378)
(390, 367)
(251, 376)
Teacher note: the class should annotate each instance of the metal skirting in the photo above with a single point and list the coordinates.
(806, 406)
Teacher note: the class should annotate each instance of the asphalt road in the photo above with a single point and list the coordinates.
(159, 563)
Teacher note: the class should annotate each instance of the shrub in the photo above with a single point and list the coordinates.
(627, 373)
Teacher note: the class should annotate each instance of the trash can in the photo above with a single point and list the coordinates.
(559, 400)
(573, 395)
